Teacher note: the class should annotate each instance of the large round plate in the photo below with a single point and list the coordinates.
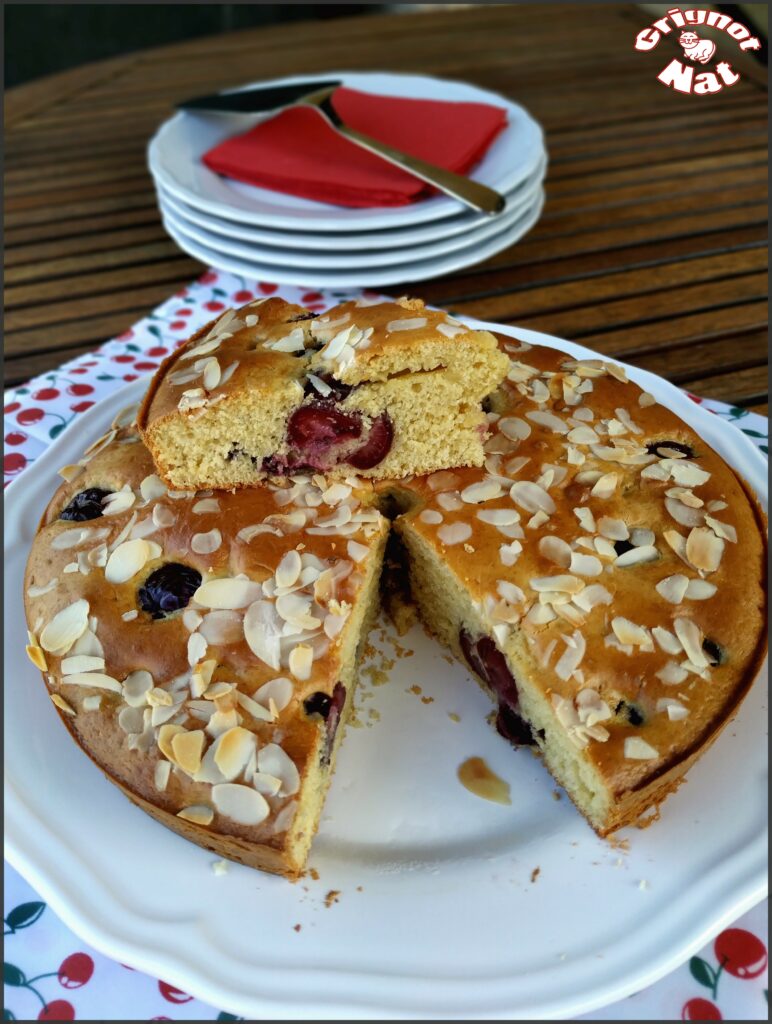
(356, 276)
(352, 259)
(437, 914)
(359, 249)
(175, 151)
(393, 238)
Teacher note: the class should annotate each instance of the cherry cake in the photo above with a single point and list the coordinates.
(602, 575)
(385, 389)
(201, 647)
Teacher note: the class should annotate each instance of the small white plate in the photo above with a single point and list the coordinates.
(175, 151)
(437, 915)
(357, 276)
(392, 238)
(359, 260)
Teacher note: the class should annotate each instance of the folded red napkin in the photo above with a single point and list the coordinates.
(298, 152)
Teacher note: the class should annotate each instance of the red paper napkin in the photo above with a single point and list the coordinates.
(298, 152)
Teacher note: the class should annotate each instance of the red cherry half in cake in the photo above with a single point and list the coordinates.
(317, 427)
(484, 658)
(376, 447)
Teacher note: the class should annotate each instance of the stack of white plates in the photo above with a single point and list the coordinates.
(268, 235)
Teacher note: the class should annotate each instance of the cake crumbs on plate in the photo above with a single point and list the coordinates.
(618, 844)
(332, 897)
(643, 884)
(535, 874)
(375, 675)
(454, 717)
(556, 794)
(220, 867)
(314, 874)
(296, 927)
(427, 700)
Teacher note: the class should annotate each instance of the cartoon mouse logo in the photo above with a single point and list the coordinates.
(695, 48)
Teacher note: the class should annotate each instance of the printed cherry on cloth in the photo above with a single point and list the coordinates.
(49, 973)
(329, 168)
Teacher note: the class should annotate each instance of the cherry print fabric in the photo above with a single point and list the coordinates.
(49, 973)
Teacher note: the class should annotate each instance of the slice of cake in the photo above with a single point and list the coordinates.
(603, 577)
(386, 389)
(202, 649)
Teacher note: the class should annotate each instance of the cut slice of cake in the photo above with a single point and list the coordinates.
(603, 577)
(385, 389)
(202, 649)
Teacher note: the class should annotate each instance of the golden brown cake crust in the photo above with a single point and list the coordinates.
(241, 539)
(640, 731)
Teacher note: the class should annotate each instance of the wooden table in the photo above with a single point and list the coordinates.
(652, 245)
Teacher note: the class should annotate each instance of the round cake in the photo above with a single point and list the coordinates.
(602, 575)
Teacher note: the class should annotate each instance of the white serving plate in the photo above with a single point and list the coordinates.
(356, 241)
(437, 916)
(223, 258)
(237, 241)
(175, 151)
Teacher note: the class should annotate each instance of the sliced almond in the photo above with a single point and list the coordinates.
(262, 631)
(198, 814)
(136, 687)
(637, 556)
(242, 804)
(700, 590)
(98, 680)
(637, 749)
(273, 760)
(631, 633)
(555, 550)
(531, 497)
(431, 517)
(37, 657)
(127, 560)
(62, 704)
(206, 543)
(673, 588)
(484, 490)
(675, 710)
(691, 637)
(227, 593)
(301, 660)
(288, 569)
(454, 533)
(704, 549)
(668, 641)
(560, 584)
(233, 752)
(605, 486)
(161, 775)
(585, 565)
(65, 628)
(723, 530)
(672, 674)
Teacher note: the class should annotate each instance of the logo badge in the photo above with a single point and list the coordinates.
(685, 76)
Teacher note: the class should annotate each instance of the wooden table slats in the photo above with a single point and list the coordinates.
(652, 245)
